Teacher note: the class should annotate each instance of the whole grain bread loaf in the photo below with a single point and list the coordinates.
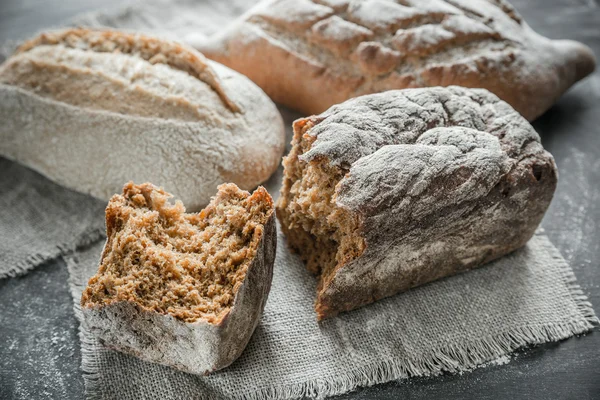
(312, 54)
(389, 191)
(183, 290)
(94, 109)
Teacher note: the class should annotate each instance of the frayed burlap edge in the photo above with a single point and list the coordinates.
(450, 359)
(88, 237)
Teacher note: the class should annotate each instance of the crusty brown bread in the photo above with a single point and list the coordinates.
(311, 54)
(184, 290)
(389, 191)
(92, 109)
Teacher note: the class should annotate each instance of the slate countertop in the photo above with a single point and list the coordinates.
(39, 345)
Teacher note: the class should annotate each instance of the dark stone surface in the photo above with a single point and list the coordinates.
(39, 347)
(39, 344)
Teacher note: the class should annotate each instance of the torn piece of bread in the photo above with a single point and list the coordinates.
(91, 109)
(312, 54)
(389, 191)
(179, 289)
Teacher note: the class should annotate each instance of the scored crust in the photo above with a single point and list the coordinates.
(184, 290)
(389, 191)
(153, 50)
(311, 54)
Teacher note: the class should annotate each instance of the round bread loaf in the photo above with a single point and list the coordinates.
(92, 110)
(183, 290)
(389, 191)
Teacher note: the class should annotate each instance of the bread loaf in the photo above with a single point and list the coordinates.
(92, 110)
(389, 191)
(312, 54)
(184, 290)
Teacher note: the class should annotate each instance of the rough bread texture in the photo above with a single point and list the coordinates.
(184, 290)
(312, 54)
(94, 109)
(389, 191)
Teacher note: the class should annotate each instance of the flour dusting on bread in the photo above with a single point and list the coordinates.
(389, 191)
(149, 49)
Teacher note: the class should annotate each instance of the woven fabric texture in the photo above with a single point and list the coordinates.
(452, 325)
(455, 324)
(40, 220)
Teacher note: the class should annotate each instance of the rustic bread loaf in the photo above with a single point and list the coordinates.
(184, 290)
(312, 54)
(94, 109)
(393, 190)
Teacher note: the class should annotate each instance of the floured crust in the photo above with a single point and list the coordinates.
(92, 110)
(430, 182)
(150, 49)
(199, 341)
(343, 49)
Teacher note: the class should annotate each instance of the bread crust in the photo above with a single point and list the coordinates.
(312, 54)
(216, 125)
(440, 180)
(198, 347)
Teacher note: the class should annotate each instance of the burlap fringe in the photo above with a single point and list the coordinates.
(448, 359)
(86, 238)
(89, 366)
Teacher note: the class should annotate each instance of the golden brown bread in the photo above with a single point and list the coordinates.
(311, 54)
(180, 289)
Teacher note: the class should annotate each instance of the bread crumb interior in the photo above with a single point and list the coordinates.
(189, 266)
(324, 235)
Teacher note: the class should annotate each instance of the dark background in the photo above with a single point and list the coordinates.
(39, 346)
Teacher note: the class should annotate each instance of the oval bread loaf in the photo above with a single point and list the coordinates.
(393, 190)
(312, 54)
(183, 290)
(94, 109)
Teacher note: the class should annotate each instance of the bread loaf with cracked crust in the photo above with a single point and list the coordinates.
(183, 290)
(389, 191)
(312, 54)
(93, 109)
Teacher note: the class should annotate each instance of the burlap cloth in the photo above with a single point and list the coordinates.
(452, 325)
(39, 220)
